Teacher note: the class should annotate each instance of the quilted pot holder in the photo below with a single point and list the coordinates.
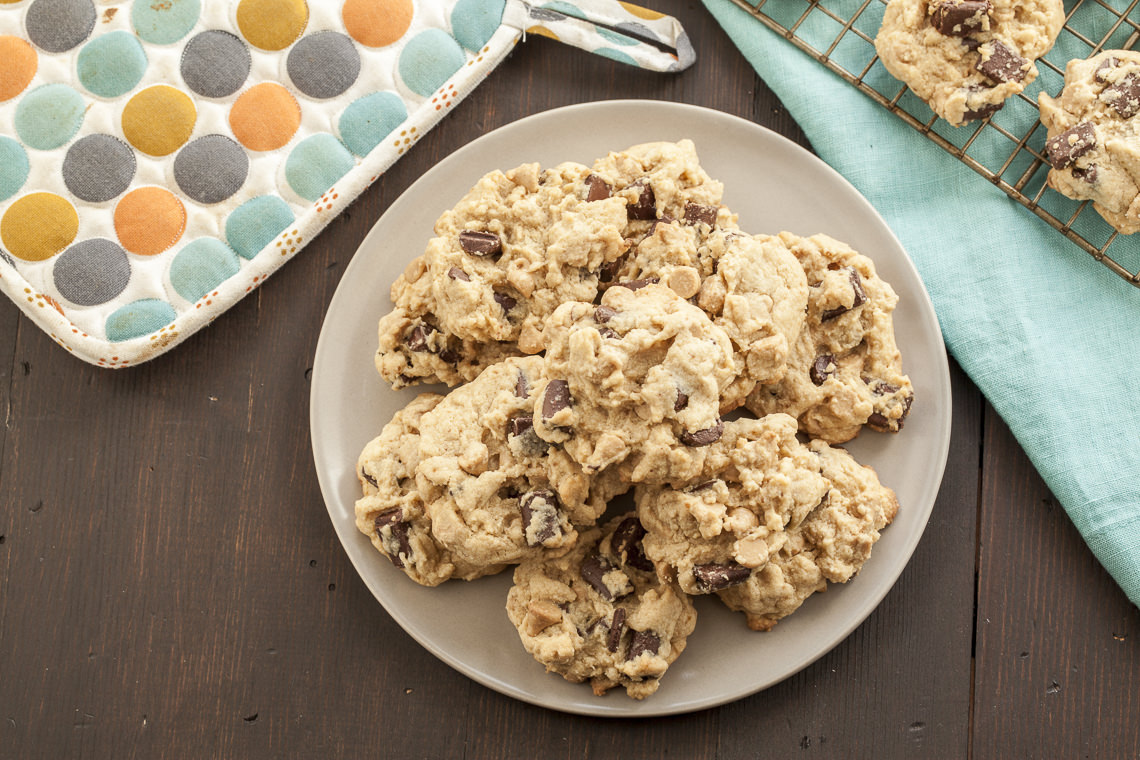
(159, 159)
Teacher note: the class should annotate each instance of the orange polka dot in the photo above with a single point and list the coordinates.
(18, 64)
(38, 226)
(272, 24)
(265, 117)
(159, 120)
(149, 220)
(376, 23)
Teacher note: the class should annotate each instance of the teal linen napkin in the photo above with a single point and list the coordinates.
(1050, 336)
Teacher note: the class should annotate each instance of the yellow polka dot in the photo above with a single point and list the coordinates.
(542, 31)
(159, 120)
(272, 24)
(149, 220)
(38, 226)
(265, 117)
(17, 66)
(376, 23)
(639, 12)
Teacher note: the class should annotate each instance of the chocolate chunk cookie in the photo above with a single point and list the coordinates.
(844, 370)
(600, 613)
(966, 57)
(768, 522)
(1093, 143)
(391, 512)
(495, 492)
(635, 380)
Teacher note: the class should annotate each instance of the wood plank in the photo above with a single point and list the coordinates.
(1058, 643)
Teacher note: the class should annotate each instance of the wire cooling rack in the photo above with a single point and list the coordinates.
(1006, 148)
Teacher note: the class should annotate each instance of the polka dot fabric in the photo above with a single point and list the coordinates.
(159, 160)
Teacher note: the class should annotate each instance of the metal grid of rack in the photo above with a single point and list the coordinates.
(1006, 148)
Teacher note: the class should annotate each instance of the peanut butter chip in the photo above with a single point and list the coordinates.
(684, 281)
(540, 615)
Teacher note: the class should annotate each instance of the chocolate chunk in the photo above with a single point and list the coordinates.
(701, 486)
(449, 356)
(1088, 174)
(1067, 147)
(626, 543)
(364, 474)
(456, 273)
(881, 387)
(957, 18)
(982, 112)
(617, 627)
(395, 542)
(715, 576)
(610, 269)
(859, 299)
(822, 368)
(703, 437)
(606, 332)
(594, 569)
(1124, 96)
(664, 219)
(971, 43)
(540, 510)
(519, 425)
(643, 641)
(604, 314)
(598, 188)
(639, 284)
(1107, 65)
(417, 339)
(1001, 64)
(645, 207)
(879, 422)
(480, 243)
(556, 398)
(505, 301)
(695, 213)
(681, 402)
(522, 387)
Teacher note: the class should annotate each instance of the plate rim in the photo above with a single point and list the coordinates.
(923, 302)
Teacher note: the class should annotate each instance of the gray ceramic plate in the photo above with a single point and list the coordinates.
(772, 184)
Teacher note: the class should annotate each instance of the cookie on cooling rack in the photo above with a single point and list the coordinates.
(1093, 143)
(966, 57)
(601, 613)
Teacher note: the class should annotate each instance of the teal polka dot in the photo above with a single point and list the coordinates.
(474, 21)
(14, 167)
(429, 59)
(255, 223)
(165, 22)
(138, 318)
(111, 64)
(49, 116)
(202, 266)
(615, 55)
(370, 119)
(614, 37)
(315, 164)
(561, 7)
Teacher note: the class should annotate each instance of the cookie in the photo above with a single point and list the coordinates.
(658, 181)
(495, 492)
(636, 380)
(391, 512)
(768, 522)
(966, 57)
(600, 613)
(844, 370)
(712, 531)
(1092, 144)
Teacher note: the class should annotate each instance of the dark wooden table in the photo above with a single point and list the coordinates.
(171, 585)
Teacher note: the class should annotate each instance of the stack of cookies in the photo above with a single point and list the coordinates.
(610, 329)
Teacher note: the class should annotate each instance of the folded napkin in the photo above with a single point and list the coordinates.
(1049, 335)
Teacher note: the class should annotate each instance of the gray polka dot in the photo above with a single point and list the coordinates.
(7, 259)
(211, 168)
(215, 63)
(59, 25)
(92, 272)
(323, 65)
(98, 167)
